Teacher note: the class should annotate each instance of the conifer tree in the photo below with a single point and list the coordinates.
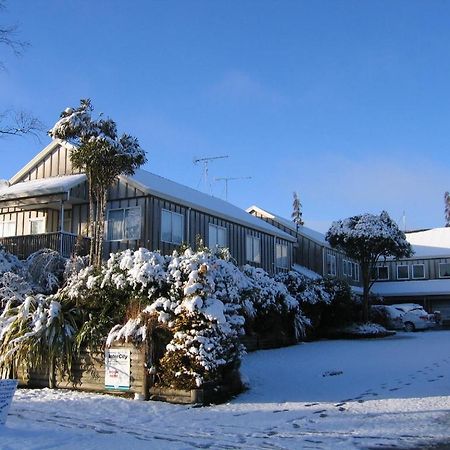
(297, 211)
(447, 208)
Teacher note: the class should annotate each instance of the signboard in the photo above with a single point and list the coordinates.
(7, 389)
(117, 368)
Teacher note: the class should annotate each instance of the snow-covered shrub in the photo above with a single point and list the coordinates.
(45, 269)
(344, 307)
(305, 290)
(196, 295)
(9, 262)
(269, 307)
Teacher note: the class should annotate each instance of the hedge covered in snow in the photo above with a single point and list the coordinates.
(192, 306)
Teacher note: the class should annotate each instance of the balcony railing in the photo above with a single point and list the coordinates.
(64, 243)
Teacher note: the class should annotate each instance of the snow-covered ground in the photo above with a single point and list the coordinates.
(380, 393)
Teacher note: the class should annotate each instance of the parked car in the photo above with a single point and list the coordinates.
(387, 316)
(414, 317)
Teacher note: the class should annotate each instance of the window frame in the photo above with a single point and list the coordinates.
(172, 213)
(377, 273)
(123, 238)
(251, 258)
(282, 258)
(355, 271)
(412, 271)
(407, 268)
(216, 230)
(37, 220)
(2, 228)
(443, 276)
(331, 263)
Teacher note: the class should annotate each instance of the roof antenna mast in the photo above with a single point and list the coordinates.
(205, 162)
(227, 179)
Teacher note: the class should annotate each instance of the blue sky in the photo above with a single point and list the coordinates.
(345, 102)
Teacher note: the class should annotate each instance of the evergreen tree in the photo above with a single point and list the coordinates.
(367, 238)
(103, 155)
(447, 208)
(297, 211)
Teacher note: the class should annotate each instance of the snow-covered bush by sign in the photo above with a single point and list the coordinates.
(196, 295)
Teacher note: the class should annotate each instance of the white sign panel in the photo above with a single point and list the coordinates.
(7, 389)
(117, 368)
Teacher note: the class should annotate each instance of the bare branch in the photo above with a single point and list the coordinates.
(8, 38)
(19, 123)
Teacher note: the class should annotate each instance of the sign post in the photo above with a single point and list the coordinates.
(117, 369)
(7, 389)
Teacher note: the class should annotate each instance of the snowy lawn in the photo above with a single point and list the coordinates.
(381, 393)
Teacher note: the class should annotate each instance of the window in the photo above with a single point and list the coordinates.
(124, 224)
(7, 229)
(402, 272)
(217, 236)
(282, 256)
(331, 264)
(253, 247)
(444, 270)
(37, 226)
(355, 271)
(350, 269)
(172, 227)
(418, 271)
(380, 273)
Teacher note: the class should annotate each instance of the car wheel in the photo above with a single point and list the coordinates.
(409, 326)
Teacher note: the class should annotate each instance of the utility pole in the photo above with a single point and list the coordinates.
(227, 179)
(205, 162)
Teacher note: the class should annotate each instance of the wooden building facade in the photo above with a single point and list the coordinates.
(47, 198)
(312, 251)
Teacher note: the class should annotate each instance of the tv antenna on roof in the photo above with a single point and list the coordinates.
(205, 162)
(227, 179)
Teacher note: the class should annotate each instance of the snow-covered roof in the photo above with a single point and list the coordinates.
(304, 231)
(40, 187)
(405, 288)
(434, 242)
(170, 190)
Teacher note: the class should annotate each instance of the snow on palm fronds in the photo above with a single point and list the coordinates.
(38, 332)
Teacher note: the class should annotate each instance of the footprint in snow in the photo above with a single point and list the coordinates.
(310, 404)
(340, 404)
(394, 389)
(320, 411)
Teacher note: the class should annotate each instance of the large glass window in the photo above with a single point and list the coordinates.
(253, 247)
(171, 227)
(282, 256)
(124, 224)
(402, 272)
(217, 236)
(418, 271)
(7, 229)
(331, 264)
(444, 270)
